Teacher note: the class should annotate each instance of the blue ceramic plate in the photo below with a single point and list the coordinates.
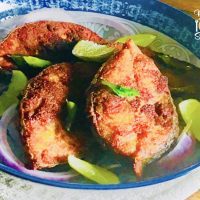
(112, 19)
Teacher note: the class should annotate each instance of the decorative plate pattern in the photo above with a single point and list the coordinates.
(148, 12)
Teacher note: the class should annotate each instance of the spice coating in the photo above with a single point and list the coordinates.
(143, 127)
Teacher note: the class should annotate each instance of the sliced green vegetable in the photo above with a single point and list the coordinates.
(30, 60)
(36, 62)
(174, 63)
(9, 97)
(90, 51)
(186, 129)
(93, 172)
(190, 111)
(189, 89)
(18, 60)
(71, 113)
(121, 90)
(5, 79)
(142, 39)
(187, 108)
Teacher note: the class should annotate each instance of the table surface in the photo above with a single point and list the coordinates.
(188, 6)
(14, 188)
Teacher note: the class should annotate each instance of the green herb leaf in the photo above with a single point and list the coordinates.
(142, 39)
(30, 60)
(120, 90)
(71, 113)
(9, 97)
(93, 172)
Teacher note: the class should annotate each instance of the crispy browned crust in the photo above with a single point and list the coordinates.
(31, 38)
(142, 128)
(46, 141)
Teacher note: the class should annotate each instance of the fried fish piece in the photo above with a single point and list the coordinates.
(46, 141)
(143, 127)
(35, 38)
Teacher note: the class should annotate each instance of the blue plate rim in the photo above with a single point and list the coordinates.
(137, 184)
(149, 182)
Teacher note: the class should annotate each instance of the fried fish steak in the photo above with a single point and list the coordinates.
(46, 141)
(34, 38)
(143, 127)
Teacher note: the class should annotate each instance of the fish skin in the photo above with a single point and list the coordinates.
(144, 127)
